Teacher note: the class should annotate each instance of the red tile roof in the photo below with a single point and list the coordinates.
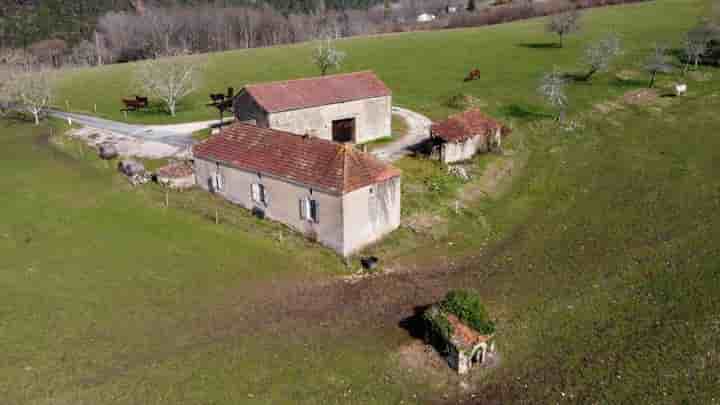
(175, 170)
(464, 335)
(317, 91)
(313, 162)
(466, 125)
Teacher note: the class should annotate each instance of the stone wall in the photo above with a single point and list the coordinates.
(370, 213)
(372, 119)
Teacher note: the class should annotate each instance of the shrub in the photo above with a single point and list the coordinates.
(466, 305)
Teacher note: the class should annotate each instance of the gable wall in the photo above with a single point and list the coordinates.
(369, 215)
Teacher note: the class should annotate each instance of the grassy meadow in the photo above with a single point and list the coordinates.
(423, 69)
(597, 251)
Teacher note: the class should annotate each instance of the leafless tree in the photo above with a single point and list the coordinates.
(31, 92)
(326, 56)
(694, 48)
(657, 62)
(599, 56)
(564, 24)
(170, 80)
(552, 88)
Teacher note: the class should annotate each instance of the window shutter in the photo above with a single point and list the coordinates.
(219, 181)
(315, 210)
(302, 208)
(264, 195)
(254, 193)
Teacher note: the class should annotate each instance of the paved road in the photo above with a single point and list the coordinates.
(418, 131)
(176, 135)
(180, 135)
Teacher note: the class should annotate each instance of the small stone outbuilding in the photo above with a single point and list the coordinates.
(345, 108)
(462, 346)
(463, 135)
(333, 193)
(176, 175)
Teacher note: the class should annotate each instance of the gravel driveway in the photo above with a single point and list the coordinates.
(418, 131)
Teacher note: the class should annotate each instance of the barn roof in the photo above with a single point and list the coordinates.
(310, 161)
(317, 91)
(465, 125)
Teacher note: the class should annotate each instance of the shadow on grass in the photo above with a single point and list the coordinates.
(415, 324)
(628, 83)
(523, 112)
(540, 45)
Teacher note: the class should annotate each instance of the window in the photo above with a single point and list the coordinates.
(257, 193)
(216, 181)
(310, 210)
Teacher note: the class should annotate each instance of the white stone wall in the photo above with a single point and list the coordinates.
(283, 201)
(370, 213)
(459, 151)
(373, 119)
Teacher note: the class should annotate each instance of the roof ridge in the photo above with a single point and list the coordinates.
(300, 79)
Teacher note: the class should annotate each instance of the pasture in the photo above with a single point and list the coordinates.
(598, 254)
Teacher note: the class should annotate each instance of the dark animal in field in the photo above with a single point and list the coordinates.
(136, 103)
(473, 75)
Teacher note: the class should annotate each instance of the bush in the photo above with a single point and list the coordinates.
(466, 305)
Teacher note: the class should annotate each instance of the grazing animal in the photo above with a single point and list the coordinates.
(473, 75)
(680, 89)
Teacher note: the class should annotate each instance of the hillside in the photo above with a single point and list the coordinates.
(597, 254)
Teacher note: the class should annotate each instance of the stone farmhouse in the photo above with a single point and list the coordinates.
(332, 192)
(345, 108)
(463, 135)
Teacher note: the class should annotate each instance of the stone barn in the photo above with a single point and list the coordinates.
(345, 108)
(333, 193)
(463, 135)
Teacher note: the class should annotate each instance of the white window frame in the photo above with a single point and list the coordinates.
(217, 182)
(258, 194)
(307, 205)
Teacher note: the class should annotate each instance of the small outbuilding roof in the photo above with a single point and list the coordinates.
(175, 170)
(465, 125)
(464, 336)
(310, 161)
(317, 91)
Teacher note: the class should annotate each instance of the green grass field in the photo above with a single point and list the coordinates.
(423, 69)
(599, 260)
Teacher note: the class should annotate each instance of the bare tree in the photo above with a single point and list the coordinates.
(657, 62)
(552, 88)
(599, 56)
(326, 56)
(694, 48)
(31, 92)
(169, 79)
(564, 24)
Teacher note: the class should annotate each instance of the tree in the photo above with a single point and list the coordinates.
(326, 56)
(169, 79)
(694, 48)
(31, 92)
(564, 24)
(600, 55)
(657, 62)
(552, 88)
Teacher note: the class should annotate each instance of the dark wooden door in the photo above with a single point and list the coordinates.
(343, 130)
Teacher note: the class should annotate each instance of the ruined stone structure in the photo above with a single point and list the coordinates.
(462, 346)
(346, 108)
(333, 193)
(463, 135)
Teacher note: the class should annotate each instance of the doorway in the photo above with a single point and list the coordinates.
(343, 131)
